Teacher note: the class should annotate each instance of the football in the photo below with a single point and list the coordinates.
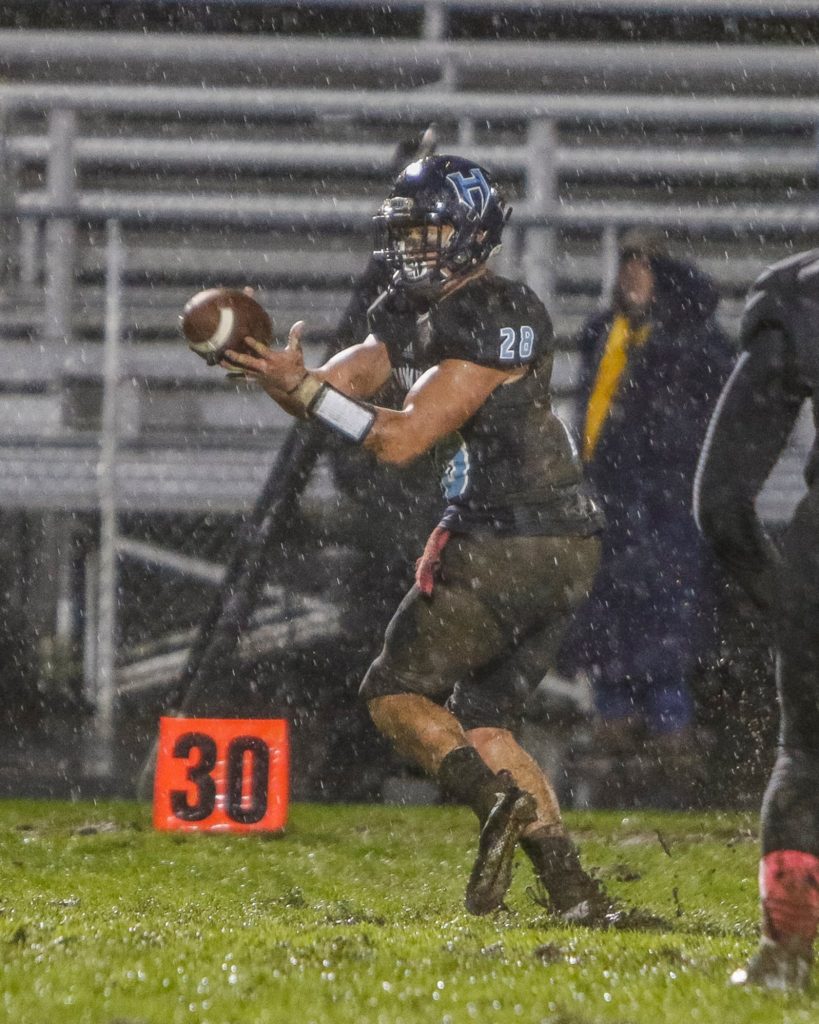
(218, 319)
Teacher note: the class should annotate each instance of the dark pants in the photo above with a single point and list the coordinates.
(643, 628)
(490, 629)
(790, 811)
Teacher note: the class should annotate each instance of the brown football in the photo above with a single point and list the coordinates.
(219, 319)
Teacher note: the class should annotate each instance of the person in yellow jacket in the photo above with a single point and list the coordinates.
(653, 364)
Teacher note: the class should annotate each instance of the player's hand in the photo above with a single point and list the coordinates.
(278, 370)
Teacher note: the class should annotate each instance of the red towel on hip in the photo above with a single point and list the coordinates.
(428, 566)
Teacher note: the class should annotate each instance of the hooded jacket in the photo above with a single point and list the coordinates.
(644, 461)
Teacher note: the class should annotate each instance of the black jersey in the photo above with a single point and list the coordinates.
(777, 370)
(515, 470)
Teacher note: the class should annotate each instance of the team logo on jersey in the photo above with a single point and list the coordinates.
(472, 190)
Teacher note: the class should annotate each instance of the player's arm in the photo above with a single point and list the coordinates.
(440, 402)
(752, 421)
(358, 371)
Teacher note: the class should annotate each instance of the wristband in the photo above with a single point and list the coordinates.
(344, 416)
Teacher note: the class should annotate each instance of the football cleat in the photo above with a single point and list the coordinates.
(577, 898)
(565, 888)
(778, 966)
(492, 872)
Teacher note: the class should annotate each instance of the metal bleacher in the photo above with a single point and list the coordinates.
(137, 168)
(274, 184)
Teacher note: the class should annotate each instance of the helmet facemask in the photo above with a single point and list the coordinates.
(419, 250)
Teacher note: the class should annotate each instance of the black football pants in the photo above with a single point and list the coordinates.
(790, 810)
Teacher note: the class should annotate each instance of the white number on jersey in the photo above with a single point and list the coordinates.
(516, 345)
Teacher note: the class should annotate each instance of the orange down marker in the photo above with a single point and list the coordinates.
(222, 775)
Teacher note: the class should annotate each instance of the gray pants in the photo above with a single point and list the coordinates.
(491, 627)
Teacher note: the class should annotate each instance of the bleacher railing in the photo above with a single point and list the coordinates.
(541, 159)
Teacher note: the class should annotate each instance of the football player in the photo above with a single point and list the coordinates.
(777, 370)
(517, 544)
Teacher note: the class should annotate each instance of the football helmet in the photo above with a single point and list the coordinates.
(443, 216)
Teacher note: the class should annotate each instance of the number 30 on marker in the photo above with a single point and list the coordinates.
(222, 775)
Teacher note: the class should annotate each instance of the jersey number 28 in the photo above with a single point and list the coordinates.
(516, 345)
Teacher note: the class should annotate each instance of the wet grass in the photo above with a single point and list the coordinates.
(356, 915)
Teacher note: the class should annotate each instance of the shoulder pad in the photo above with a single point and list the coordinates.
(780, 294)
(498, 323)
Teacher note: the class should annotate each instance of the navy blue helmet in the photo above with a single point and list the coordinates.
(443, 216)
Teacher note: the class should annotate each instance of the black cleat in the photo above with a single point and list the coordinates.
(580, 900)
(567, 890)
(779, 966)
(492, 871)
(596, 912)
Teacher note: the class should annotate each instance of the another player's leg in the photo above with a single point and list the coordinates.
(789, 869)
(788, 877)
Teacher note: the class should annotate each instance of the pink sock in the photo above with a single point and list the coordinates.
(789, 887)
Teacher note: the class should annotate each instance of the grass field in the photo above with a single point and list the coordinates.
(356, 914)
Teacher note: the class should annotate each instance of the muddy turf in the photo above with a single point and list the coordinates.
(356, 915)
